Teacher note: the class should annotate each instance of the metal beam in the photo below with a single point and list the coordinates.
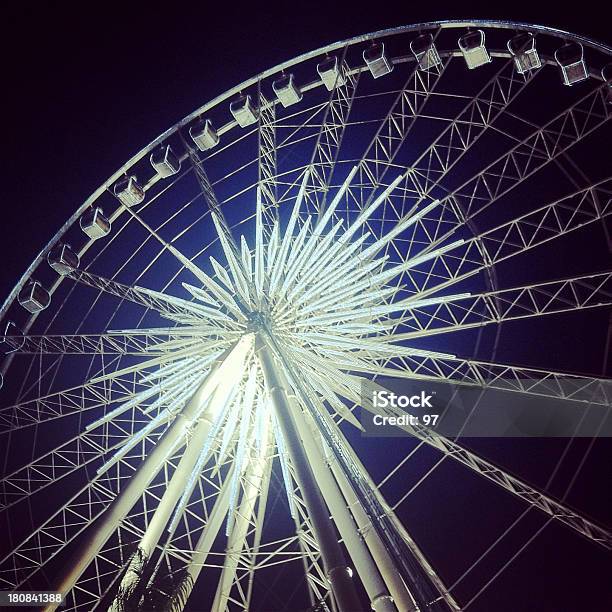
(333, 557)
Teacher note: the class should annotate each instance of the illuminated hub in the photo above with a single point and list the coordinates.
(325, 292)
(258, 320)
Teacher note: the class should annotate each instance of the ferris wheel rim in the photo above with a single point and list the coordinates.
(226, 95)
(120, 210)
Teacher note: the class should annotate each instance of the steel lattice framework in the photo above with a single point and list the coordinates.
(199, 370)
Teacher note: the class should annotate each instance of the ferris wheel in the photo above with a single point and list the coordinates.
(184, 363)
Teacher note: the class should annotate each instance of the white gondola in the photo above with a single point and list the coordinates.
(34, 297)
(95, 224)
(128, 191)
(524, 53)
(473, 48)
(377, 61)
(63, 259)
(425, 52)
(165, 161)
(330, 73)
(570, 58)
(204, 135)
(606, 75)
(15, 344)
(287, 91)
(243, 111)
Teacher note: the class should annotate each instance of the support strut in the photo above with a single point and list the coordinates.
(99, 533)
(342, 586)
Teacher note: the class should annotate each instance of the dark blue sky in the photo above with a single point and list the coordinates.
(85, 89)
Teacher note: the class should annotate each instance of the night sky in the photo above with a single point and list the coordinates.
(86, 89)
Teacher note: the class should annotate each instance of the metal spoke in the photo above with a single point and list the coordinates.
(516, 237)
(485, 375)
(266, 136)
(459, 312)
(167, 306)
(527, 157)
(135, 343)
(330, 136)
